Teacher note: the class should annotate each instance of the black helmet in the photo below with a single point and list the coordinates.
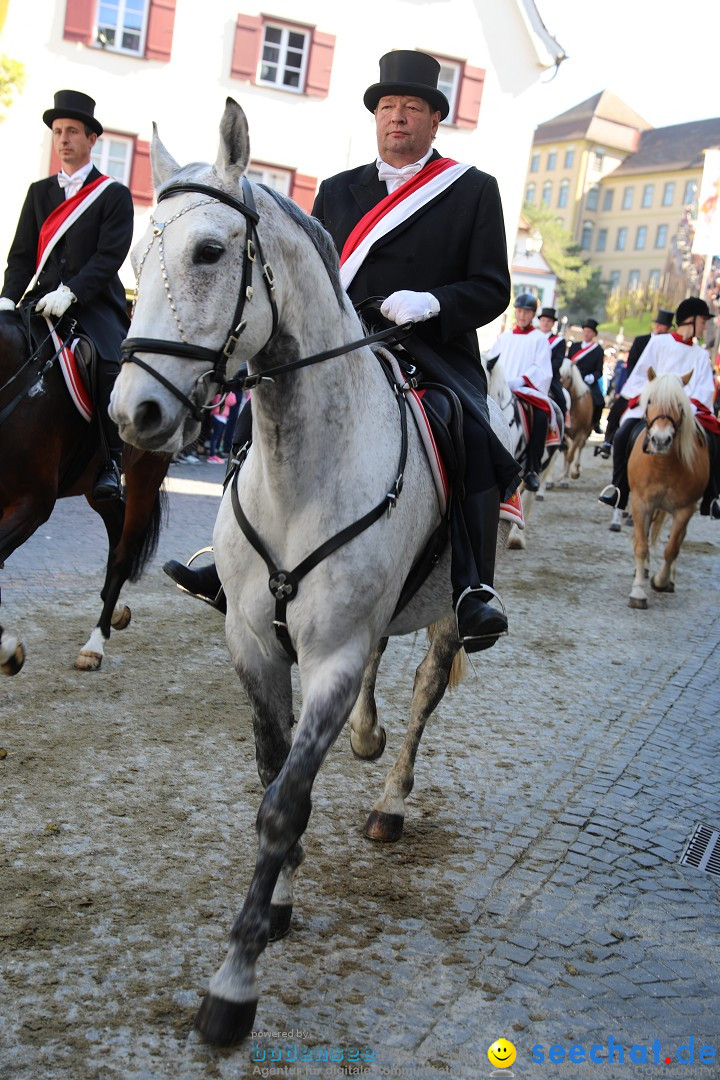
(690, 308)
(526, 300)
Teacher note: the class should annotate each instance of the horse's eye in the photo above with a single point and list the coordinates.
(209, 253)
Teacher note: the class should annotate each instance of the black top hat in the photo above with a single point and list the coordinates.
(408, 72)
(73, 105)
(665, 318)
(591, 323)
(548, 313)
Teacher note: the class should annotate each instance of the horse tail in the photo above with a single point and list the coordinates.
(148, 543)
(656, 525)
(458, 671)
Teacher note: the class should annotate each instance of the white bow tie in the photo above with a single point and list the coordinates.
(70, 184)
(395, 177)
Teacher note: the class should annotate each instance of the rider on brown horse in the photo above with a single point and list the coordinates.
(74, 232)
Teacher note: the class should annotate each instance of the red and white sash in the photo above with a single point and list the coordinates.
(436, 177)
(583, 352)
(63, 217)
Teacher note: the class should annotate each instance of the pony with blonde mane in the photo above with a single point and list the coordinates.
(668, 471)
(581, 416)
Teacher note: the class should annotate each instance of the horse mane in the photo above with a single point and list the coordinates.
(667, 394)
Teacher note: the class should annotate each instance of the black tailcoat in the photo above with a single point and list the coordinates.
(636, 351)
(86, 259)
(590, 364)
(454, 247)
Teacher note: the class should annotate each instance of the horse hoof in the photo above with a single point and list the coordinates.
(14, 662)
(224, 1023)
(280, 916)
(564, 484)
(615, 527)
(88, 661)
(540, 497)
(638, 602)
(384, 827)
(121, 619)
(669, 588)
(550, 485)
(378, 753)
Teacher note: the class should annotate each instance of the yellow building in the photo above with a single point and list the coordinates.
(620, 187)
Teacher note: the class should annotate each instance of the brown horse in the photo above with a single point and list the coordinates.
(581, 415)
(49, 451)
(668, 472)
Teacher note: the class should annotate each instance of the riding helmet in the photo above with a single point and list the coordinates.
(690, 308)
(526, 300)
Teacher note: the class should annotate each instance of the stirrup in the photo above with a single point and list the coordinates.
(603, 449)
(213, 602)
(480, 589)
(610, 488)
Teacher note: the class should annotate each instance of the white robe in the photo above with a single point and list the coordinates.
(665, 354)
(525, 355)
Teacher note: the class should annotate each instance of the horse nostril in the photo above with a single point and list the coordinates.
(148, 417)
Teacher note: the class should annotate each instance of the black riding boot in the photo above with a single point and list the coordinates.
(612, 423)
(203, 583)
(107, 482)
(473, 532)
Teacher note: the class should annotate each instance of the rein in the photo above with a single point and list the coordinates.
(37, 373)
(660, 416)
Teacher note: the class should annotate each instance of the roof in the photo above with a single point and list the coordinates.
(666, 149)
(603, 113)
(549, 51)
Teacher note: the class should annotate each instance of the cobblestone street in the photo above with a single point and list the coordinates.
(536, 894)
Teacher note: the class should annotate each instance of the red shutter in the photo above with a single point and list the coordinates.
(141, 187)
(322, 47)
(80, 20)
(246, 49)
(469, 96)
(161, 23)
(55, 163)
(303, 191)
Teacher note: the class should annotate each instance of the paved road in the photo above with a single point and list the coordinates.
(537, 893)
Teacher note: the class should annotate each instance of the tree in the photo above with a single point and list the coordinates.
(579, 287)
(12, 79)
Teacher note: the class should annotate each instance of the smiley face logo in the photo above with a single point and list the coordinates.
(501, 1054)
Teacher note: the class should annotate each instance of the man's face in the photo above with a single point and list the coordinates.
(660, 328)
(545, 323)
(523, 317)
(71, 144)
(405, 128)
(588, 335)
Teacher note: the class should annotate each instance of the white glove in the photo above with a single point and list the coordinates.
(56, 303)
(406, 306)
(516, 383)
(6, 304)
(589, 379)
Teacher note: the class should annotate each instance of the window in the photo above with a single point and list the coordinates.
(614, 280)
(570, 157)
(284, 57)
(121, 25)
(141, 28)
(547, 193)
(462, 85)
(621, 239)
(587, 234)
(668, 193)
(634, 280)
(661, 236)
(112, 155)
(277, 179)
(291, 58)
(593, 195)
(647, 196)
(552, 160)
(598, 160)
(654, 280)
(690, 193)
(641, 237)
(627, 198)
(601, 240)
(530, 193)
(563, 193)
(608, 199)
(448, 82)
(535, 163)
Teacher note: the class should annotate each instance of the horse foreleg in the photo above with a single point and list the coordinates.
(117, 571)
(517, 539)
(387, 816)
(664, 579)
(228, 1010)
(641, 525)
(18, 521)
(12, 653)
(367, 737)
(578, 448)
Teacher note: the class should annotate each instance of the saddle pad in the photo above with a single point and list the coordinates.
(72, 375)
(437, 468)
(553, 437)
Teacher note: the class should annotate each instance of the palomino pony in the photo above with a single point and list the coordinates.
(581, 415)
(509, 405)
(323, 464)
(48, 452)
(668, 472)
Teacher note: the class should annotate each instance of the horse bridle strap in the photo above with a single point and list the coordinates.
(284, 584)
(660, 416)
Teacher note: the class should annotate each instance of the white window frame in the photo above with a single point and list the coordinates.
(658, 246)
(563, 193)
(547, 187)
(608, 199)
(601, 242)
(641, 238)
(269, 176)
(587, 233)
(621, 234)
(551, 160)
(668, 189)
(285, 30)
(648, 196)
(686, 201)
(569, 153)
(450, 87)
(535, 163)
(634, 274)
(614, 280)
(654, 280)
(101, 154)
(530, 192)
(628, 198)
(121, 5)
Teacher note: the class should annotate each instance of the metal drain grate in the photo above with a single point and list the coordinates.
(703, 850)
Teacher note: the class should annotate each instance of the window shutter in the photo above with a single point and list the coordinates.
(469, 96)
(55, 163)
(80, 20)
(161, 23)
(322, 47)
(303, 191)
(141, 187)
(246, 49)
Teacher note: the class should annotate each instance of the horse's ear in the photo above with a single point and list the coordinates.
(234, 152)
(651, 373)
(164, 164)
(686, 378)
(492, 362)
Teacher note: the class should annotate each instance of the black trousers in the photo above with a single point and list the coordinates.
(615, 415)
